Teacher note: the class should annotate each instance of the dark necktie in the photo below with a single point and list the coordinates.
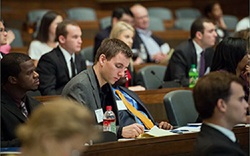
(73, 69)
(202, 64)
(23, 109)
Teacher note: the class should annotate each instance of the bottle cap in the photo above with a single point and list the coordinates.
(108, 108)
(193, 66)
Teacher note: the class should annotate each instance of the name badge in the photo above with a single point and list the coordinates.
(99, 115)
(120, 105)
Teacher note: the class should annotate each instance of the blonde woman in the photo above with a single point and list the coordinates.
(125, 32)
(57, 128)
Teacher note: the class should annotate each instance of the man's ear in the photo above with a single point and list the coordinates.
(221, 105)
(199, 35)
(61, 38)
(102, 59)
(12, 79)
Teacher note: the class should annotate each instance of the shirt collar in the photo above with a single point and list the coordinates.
(144, 32)
(223, 130)
(198, 48)
(66, 54)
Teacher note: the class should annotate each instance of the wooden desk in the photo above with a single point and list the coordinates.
(170, 145)
(153, 100)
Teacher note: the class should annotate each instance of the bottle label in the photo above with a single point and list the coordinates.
(109, 125)
(192, 81)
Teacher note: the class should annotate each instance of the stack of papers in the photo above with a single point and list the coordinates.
(156, 132)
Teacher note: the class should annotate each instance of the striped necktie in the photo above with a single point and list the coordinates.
(146, 121)
(23, 109)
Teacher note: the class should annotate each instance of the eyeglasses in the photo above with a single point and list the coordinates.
(3, 30)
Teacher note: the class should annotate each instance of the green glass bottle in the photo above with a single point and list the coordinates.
(193, 76)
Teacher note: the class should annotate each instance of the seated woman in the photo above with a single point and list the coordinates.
(214, 12)
(231, 56)
(125, 32)
(5, 43)
(57, 128)
(45, 40)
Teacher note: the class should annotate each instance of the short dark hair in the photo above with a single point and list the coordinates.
(228, 53)
(10, 65)
(47, 19)
(210, 88)
(111, 47)
(198, 25)
(61, 28)
(119, 11)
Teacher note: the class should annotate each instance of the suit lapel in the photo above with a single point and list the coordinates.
(193, 52)
(95, 89)
(62, 61)
(12, 107)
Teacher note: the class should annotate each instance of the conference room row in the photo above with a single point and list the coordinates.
(181, 144)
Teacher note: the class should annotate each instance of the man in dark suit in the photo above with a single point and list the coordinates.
(203, 36)
(144, 41)
(92, 87)
(18, 76)
(58, 66)
(119, 14)
(219, 100)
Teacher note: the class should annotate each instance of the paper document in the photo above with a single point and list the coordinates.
(156, 132)
(190, 128)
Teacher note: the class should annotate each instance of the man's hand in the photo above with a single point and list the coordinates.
(158, 57)
(132, 131)
(165, 125)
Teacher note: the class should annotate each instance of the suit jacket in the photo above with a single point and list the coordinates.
(11, 117)
(182, 59)
(53, 71)
(125, 116)
(84, 88)
(100, 36)
(138, 41)
(211, 142)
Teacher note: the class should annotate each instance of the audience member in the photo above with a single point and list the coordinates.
(127, 116)
(118, 14)
(18, 76)
(193, 51)
(93, 86)
(6, 38)
(57, 128)
(243, 24)
(58, 66)
(219, 99)
(214, 12)
(155, 48)
(244, 33)
(45, 39)
(125, 32)
(231, 56)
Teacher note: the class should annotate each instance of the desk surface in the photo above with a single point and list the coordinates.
(169, 145)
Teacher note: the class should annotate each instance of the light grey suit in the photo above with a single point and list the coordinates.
(84, 88)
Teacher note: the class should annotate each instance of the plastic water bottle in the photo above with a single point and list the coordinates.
(109, 120)
(193, 76)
